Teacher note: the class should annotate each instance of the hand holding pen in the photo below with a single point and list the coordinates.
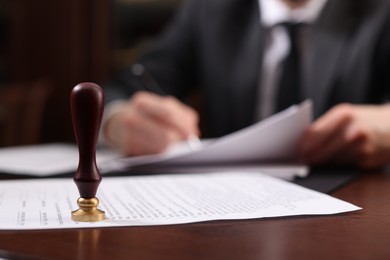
(148, 123)
(150, 84)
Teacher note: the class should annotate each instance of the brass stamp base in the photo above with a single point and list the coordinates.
(88, 211)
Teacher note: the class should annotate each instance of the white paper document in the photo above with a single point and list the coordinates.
(266, 146)
(272, 139)
(268, 141)
(161, 200)
(46, 160)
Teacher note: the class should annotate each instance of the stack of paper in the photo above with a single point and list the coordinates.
(267, 146)
(161, 199)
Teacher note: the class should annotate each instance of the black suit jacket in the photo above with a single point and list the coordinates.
(216, 45)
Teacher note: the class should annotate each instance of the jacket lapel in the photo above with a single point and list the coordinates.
(326, 45)
(246, 63)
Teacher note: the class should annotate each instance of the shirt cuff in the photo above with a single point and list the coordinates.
(110, 110)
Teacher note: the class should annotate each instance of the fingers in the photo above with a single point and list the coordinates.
(148, 123)
(326, 136)
(168, 112)
(340, 137)
(140, 135)
(349, 135)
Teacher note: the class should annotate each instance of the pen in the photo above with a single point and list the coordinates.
(147, 81)
(150, 84)
(194, 142)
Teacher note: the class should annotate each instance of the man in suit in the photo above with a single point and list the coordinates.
(232, 50)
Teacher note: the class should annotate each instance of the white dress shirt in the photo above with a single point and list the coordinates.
(272, 13)
(277, 46)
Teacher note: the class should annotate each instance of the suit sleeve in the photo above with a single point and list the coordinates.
(382, 66)
(171, 61)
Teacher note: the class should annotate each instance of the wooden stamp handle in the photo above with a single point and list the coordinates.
(86, 102)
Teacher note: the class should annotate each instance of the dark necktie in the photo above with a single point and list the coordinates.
(288, 92)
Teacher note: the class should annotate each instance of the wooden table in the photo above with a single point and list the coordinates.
(362, 234)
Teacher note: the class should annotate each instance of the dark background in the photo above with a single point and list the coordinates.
(47, 47)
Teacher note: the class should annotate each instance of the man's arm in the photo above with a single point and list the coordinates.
(357, 135)
(148, 123)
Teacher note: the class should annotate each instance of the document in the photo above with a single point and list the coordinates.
(272, 139)
(269, 143)
(161, 200)
(267, 146)
(47, 159)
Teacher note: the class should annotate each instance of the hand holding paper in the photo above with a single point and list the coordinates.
(267, 146)
(271, 141)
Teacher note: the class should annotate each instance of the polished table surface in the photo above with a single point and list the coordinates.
(361, 234)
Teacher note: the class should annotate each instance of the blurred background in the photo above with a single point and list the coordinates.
(47, 47)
